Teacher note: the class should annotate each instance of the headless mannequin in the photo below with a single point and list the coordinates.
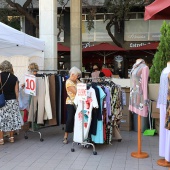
(139, 153)
(164, 162)
(167, 69)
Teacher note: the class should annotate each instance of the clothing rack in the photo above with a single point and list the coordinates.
(85, 143)
(32, 123)
(116, 131)
(58, 71)
(32, 127)
(54, 70)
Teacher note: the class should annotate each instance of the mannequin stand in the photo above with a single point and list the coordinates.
(139, 154)
(163, 162)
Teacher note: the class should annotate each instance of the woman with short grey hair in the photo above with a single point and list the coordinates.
(75, 70)
(71, 89)
(10, 116)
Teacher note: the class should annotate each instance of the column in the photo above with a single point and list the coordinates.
(48, 31)
(76, 33)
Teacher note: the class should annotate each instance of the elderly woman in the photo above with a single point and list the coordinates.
(71, 89)
(10, 118)
(33, 68)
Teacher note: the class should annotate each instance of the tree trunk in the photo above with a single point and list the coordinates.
(108, 28)
(23, 11)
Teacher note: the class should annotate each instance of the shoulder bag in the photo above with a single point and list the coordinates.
(2, 97)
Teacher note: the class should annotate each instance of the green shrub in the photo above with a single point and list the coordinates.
(162, 56)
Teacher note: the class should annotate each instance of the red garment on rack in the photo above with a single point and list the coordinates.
(25, 116)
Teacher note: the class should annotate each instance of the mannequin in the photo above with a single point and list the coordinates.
(138, 98)
(139, 60)
(167, 69)
(139, 91)
(162, 104)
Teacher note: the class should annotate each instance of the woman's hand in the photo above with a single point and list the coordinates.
(23, 85)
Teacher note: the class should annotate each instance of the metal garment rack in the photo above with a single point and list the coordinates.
(32, 123)
(55, 71)
(84, 143)
(116, 131)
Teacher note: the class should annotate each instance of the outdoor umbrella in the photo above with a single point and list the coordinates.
(62, 49)
(148, 48)
(104, 49)
(159, 9)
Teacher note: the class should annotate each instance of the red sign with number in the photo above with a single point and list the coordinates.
(30, 84)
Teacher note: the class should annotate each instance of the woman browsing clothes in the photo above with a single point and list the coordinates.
(10, 118)
(71, 89)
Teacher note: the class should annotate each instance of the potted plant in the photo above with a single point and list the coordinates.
(161, 57)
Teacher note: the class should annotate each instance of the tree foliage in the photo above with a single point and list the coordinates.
(162, 56)
(119, 10)
(26, 10)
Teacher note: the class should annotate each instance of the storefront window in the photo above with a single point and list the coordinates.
(136, 29)
(99, 32)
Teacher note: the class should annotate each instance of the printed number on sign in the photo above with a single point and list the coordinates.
(30, 84)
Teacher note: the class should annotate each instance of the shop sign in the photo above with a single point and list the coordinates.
(118, 58)
(136, 37)
(132, 45)
(30, 84)
(154, 36)
(82, 91)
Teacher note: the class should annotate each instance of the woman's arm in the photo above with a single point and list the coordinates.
(17, 90)
(72, 89)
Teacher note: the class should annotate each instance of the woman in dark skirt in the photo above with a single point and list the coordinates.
(10, 118)
(71, 89)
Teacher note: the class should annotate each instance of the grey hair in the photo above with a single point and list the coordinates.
(74, 70)
(6, 66)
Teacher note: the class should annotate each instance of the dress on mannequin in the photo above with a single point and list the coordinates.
(162, 104)
(138, 102)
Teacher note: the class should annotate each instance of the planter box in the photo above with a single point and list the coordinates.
(153, 91)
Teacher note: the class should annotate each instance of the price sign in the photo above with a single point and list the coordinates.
(30, 84)
(82, 91)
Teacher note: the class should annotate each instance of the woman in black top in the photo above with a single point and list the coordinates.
(10, 119)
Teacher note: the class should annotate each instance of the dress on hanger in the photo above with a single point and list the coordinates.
(138, 102)
(164, 134)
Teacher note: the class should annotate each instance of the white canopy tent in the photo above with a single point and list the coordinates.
(14, 42)
(20, 49)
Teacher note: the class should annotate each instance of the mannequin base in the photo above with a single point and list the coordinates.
(163, 162)
(139, 155)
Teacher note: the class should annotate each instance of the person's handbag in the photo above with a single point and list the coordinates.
(2, 100)
(2, 97)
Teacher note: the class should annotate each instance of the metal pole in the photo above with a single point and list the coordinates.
(82, 121)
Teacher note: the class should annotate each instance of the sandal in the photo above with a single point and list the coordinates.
(11, 139)
(1, 141)
(65, 141)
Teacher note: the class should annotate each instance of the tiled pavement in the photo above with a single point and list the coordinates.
(30, 154)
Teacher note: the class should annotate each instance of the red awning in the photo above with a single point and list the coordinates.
(159, 9)
(151, 46)
(103, 47)
(62, 48)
